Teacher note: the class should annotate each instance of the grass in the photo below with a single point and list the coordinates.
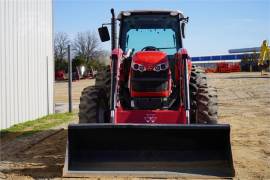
(40, 124)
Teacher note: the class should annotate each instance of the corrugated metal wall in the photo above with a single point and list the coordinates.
(26, 60)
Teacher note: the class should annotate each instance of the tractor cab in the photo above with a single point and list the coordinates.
(150, 31)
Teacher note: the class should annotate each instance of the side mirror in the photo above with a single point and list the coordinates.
(104, 33)
(183, 29)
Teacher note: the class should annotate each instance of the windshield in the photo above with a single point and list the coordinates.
(160, 31)
(163, 39)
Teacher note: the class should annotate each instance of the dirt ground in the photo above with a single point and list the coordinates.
(244, 102)
(61, 90)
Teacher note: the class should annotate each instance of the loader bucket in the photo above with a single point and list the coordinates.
(148, 150)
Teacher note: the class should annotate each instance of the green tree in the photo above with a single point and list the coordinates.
(79, 61)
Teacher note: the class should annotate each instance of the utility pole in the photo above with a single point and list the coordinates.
(69, 81)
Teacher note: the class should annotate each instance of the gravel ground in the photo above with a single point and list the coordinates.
(61, 94)
(244, 102)
(61, 90)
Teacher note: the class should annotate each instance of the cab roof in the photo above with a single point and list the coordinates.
(132, 12)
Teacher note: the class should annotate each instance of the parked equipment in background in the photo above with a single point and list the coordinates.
(264, 59)
(151, 113)
(75, 74)
(254, 58)
(224, 68)
(60, 75)
(89, 73)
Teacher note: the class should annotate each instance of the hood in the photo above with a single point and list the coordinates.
(149, 58)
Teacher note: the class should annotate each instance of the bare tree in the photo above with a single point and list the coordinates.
(61, 41)
(86, 44)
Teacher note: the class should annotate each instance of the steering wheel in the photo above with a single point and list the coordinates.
(150, 48)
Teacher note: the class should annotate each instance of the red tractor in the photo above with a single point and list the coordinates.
(151, 110)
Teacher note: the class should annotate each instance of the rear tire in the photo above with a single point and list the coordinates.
(103, 80)
(203, 99)
(93, 106)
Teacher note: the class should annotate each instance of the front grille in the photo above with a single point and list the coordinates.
(149, 81)
(149, 86)
(148, 103)
(150, 74)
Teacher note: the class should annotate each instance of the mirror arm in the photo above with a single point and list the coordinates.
(185, 20)
(106, 24)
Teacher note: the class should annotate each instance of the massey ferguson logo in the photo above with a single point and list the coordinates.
(150, 118)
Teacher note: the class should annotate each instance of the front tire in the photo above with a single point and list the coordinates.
(203, 99)
(93, 106)
(103, 80)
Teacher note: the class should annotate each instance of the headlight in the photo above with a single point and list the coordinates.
(137, 67)
(161, 67)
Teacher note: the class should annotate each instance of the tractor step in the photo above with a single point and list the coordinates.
(148, 150)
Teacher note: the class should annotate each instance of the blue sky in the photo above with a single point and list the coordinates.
(214, 27)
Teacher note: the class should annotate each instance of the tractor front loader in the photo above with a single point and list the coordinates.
(151, 113)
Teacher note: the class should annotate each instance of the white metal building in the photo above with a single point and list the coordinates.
(26, 60)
